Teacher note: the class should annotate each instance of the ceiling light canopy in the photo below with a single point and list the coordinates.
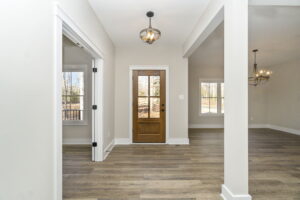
(150, 35)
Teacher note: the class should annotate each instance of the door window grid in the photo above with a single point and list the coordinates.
(148, 85)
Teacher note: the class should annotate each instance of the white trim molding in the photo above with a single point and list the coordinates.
(269, 126)
(65, 25)
(228, 195)
(211, 18)
(121, 141)
(171, 141)
(178, 141)
(222, 126)
(206, 125)
(283, 129)
(74, 32)
(108, 149)
(258, 126)
(149, 67)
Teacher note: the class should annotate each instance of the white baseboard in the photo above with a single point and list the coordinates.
(178, 141)
(122, 141)
(127, 141)
(270, 126)
(284, 129)
(258, 126)
(79, 141)
(206, 126)
(108, 149)
(222, 126)
(228, 195)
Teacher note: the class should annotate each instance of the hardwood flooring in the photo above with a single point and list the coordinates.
(183, 172)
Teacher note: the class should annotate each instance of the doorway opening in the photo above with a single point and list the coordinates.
(81, 94)
(77, 98)
(75, 107)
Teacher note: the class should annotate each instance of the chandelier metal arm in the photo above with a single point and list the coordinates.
(150, 25)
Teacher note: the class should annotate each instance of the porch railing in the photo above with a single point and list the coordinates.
(72, 114)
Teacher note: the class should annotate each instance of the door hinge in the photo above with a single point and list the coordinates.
(94, 144)
(95, 69)
(94, 107)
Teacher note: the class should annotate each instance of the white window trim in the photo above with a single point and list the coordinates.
(218, 81)
(79, 68)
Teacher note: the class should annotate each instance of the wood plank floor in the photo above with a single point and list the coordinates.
(183, 172)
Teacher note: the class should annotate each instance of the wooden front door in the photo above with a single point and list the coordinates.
(149, 102)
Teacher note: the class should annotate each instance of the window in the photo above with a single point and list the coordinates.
(73, 96)
(211, 97)
(222, 98)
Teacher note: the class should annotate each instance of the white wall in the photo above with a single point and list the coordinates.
(27, 98)
(283, 96)
(207, 62)
(74, 55)
(257, 106)
(152, 55)
(277, 103)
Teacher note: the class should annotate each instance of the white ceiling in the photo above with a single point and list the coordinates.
(123, 20)
(275, 31)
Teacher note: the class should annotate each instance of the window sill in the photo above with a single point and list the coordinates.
(74, 123)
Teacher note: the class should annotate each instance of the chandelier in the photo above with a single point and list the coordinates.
(150, 35)
(261, 76)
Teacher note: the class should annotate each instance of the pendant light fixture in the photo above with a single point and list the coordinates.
(150, 35)
(261, 76)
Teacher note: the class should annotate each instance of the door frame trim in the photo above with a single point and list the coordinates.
(65, 25)
(149, 67)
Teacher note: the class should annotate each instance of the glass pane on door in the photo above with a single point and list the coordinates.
(154, 85)
(149, 96)
(154, 107)
(143, 108)
(143, 86)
